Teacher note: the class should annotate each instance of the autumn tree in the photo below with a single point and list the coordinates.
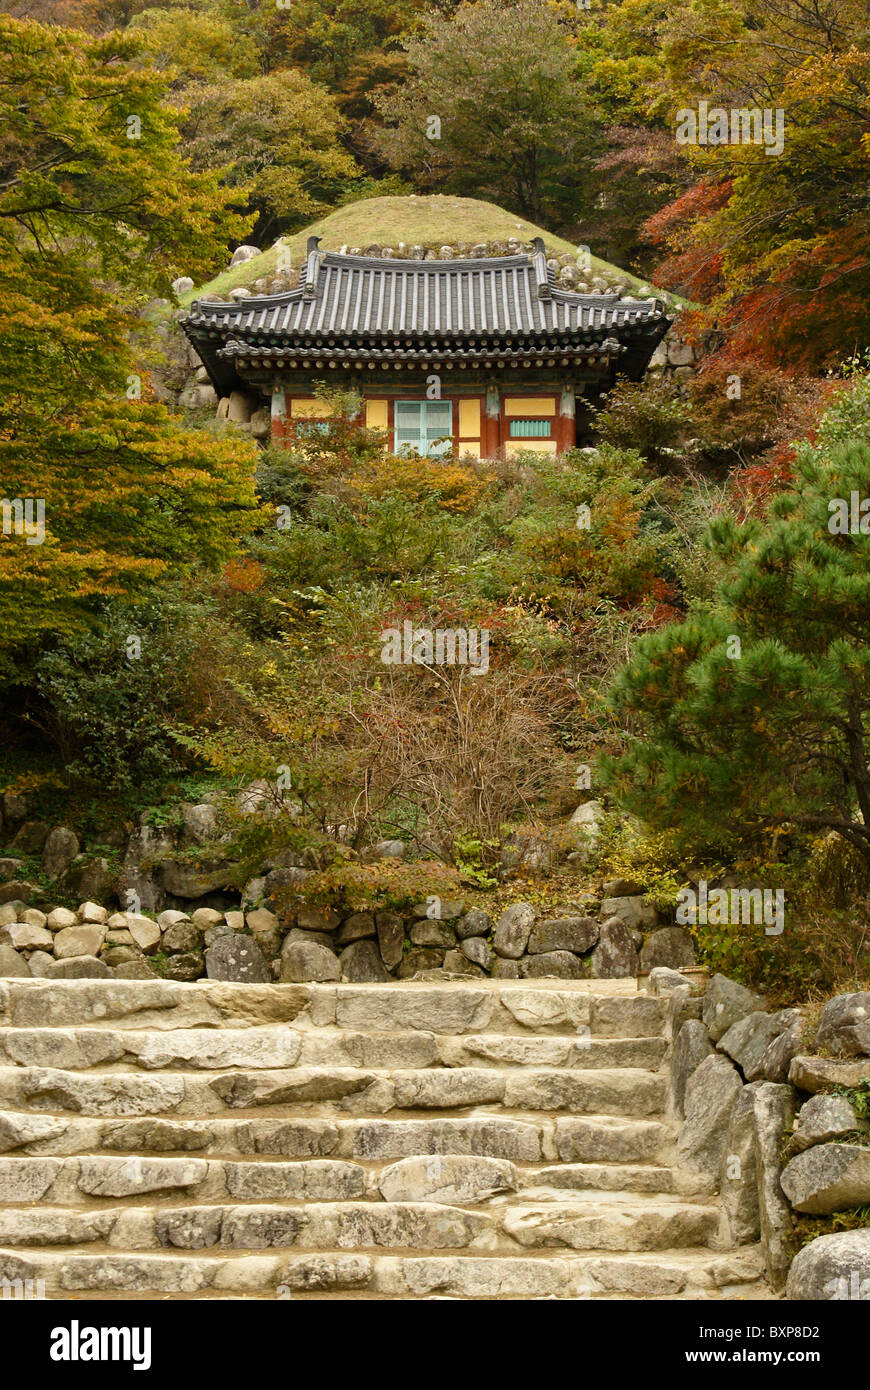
(754, 714)
(492, 107)
(103, 489)
(278, 140)
(777, 241)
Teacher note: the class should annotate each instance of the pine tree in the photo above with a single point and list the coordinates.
(756, 713)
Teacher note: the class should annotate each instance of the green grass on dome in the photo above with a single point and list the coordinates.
(424, 220)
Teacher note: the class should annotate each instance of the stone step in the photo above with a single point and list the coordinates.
(496, 1139)
(607, 1008)
(73, 1181)
(277, 1046)
(338, 1089)
(535, 1139)
(663, 1275)
(667, 1274)
(471, 1176)
(635, 1224)
(410, 1226)
(494, 1135)
(545, 1183)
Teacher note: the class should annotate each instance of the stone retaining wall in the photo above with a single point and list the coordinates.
(767, 1117)
(611, 938)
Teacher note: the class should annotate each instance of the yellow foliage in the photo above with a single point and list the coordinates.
(460, 488)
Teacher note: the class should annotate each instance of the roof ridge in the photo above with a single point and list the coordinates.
(513, 261)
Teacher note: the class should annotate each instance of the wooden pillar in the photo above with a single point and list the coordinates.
(279, 415)
(565, 433)
(491, 425)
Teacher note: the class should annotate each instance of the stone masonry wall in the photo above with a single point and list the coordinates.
(775, 1119)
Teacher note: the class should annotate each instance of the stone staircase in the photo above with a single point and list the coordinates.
(500, 1139)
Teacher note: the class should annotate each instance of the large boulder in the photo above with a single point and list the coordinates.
(527, 852)
(774, 1115)
(60, 849)
(710, 1097)
(560, 965)
(391, 938)
(138, 880)
(615, 956)
(237, 958)
(476, 949)
(244, 253)
(833, 1267)
(199, 822)
(824, 1117)
(94, 879)
(786, 1045)
(85, 940)
(30, 837)
(691, 1048)
(302, 960)
(79, 968)
(634, 912)
(437, 934)
(821, 1073)
(577, 934)
(669, 946)
(584, 829)
(17, 892)
(513, 930)
(725, 1003)
(747, 1040)
(185, 880)
(180, 939)
(23, 937)
(186, 966)
(663, 981)
(845, 1025)
(738, 1181)
(361, 962)
(60, 917)
(475, 922)
(145, 933)
(11, 963)
(827, 1178)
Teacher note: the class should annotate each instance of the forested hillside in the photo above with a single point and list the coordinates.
(678, 617)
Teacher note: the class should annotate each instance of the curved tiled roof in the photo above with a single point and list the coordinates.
(359, 306)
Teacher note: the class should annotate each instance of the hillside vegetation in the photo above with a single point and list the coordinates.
(429, 221)
(678, 633)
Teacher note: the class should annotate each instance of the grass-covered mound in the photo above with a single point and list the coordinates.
(429, 221)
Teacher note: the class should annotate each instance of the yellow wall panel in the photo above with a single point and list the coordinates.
(307, 408)
(537, 446)
(469, 418)
(530, 405)
(377, 415)
(469, 446)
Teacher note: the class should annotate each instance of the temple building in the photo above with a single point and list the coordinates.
(483, 356)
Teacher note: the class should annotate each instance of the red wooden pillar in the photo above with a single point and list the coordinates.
(280, 425)
(565, 426)
(491, 423)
